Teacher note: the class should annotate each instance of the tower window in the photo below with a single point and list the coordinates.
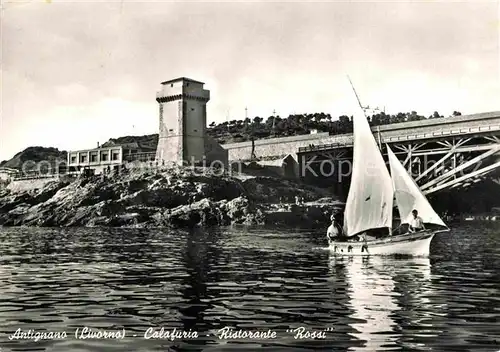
(192, 109)
(171, 130)
(195, 130)
(171, 84)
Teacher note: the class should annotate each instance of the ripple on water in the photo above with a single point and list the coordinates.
(63, 279)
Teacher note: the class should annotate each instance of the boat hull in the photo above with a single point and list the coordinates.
(412, 244)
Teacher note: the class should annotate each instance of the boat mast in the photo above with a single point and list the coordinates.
(378, 129)
(356, 94)
(364, 108)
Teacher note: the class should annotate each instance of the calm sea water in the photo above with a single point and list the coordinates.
(59, 280)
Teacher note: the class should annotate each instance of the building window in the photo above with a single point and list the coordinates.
(73, 159)
(83, 158)
(93, 158)
(115, 156)
(171, 84)
(195, 130)
(171, 130)
(104, 157)
(192, 109)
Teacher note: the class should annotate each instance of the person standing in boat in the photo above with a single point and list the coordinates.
(416, 224)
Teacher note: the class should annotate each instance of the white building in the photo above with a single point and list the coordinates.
(96, 160)
(7, 173)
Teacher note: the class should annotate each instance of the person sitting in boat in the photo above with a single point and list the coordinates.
(416, 224)
(334, 232)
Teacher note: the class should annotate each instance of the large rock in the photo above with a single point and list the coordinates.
(272, 190)
(175, 197)
(241, 211)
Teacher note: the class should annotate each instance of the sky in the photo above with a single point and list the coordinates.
(80, 72)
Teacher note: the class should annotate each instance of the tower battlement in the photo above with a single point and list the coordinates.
(182, 88)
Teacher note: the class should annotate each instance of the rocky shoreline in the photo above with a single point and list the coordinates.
(179, 198)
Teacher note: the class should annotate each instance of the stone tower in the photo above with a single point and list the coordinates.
(183, 120)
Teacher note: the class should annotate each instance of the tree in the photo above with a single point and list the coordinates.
(435, 115)
(345, 124)
(257, 120)
(296, 124)
(269, 121)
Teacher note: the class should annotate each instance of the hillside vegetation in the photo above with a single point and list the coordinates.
(298, 124)
(35, 155)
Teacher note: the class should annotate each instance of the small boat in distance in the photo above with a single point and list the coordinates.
(368, 213)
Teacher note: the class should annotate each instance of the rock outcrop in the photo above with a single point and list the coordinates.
(168, 198)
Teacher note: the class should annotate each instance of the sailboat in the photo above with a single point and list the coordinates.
(370, 202)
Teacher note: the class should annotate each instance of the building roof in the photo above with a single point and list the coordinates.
(115, 147)
(181, 79)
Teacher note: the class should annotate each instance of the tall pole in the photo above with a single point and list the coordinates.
(274, 119)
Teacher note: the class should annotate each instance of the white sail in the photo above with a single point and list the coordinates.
(408, 194)
(370, 199)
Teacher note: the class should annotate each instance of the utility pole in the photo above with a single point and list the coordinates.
(252, 136)
(274, 119)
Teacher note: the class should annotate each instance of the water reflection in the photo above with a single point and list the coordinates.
(202, 248)
(375, 294)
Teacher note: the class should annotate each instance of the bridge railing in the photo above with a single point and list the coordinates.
(447, 132)
(323, 147)
(407, 137)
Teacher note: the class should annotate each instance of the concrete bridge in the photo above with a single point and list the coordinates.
(441, 153)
